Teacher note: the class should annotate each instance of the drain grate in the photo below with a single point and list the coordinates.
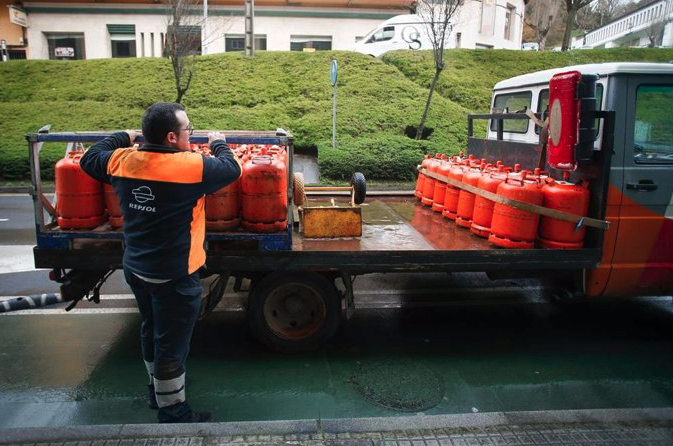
(407, 386)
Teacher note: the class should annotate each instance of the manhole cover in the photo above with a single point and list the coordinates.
(400, 385)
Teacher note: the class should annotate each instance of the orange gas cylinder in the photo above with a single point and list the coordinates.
(483, 207)
(80, 203)
(440, 186)
(452, 192)
(223, 208)
(418, 192)
(466, 199)
(114, 211)
(264, 194)
(566, 197)
(513, 228)
(429, 183)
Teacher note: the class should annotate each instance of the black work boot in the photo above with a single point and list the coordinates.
(151, 397)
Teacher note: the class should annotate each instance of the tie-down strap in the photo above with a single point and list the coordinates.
(521, 205)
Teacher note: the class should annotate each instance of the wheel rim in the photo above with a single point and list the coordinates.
(294, 311)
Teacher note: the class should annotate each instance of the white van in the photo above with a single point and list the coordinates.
(402, 32)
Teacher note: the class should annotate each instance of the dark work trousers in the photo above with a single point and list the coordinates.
(169, 311)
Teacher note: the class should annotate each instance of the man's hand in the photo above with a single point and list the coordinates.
(214, 136)
(133, 135)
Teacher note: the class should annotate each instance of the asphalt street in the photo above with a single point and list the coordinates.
(435, 344)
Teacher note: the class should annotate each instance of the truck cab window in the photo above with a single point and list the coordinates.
(385, 33)
(512, 103)
(543, 106)
(653, 125)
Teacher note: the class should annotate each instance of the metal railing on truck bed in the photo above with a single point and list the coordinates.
(104, 239)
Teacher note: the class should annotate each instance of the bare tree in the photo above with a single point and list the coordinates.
(655, 32)
(184, 40)
(541, 19)
(572, 6)
(607, 10)
(438, 16)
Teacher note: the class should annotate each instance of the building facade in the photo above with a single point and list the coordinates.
(85, 29)
(649, 25)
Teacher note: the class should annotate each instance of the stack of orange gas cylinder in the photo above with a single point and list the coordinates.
(504, 225)
(257, 200)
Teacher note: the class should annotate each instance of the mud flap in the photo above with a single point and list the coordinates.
(214, 287)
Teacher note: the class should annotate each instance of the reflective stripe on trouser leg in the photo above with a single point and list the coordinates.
(170, 391)
(150, 371)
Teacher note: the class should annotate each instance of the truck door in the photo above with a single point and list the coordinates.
(643, 257)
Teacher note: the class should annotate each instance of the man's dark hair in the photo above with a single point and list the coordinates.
(159, 119)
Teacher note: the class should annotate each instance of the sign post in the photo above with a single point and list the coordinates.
(334, 72)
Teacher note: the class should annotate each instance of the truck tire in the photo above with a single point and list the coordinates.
(359, 185)
(294, 312)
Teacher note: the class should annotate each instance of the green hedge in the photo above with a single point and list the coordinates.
(470, 75)
(229, 91)
(378, 158)
(378, 100)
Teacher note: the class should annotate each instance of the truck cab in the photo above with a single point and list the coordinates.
(637, 250)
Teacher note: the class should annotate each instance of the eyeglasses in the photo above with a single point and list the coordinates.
(190, 129)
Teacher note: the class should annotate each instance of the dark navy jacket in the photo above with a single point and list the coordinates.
(161, 193)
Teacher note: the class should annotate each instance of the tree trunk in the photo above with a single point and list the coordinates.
(421, 127)
(569, 29)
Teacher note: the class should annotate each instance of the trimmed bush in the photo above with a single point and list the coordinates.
(384, 157)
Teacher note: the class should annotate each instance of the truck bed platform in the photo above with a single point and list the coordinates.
(398, 234)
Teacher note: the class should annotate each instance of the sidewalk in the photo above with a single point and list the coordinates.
(575, 427)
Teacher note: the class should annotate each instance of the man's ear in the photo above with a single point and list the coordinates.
(172, 137)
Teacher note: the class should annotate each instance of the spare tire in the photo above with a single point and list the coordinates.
(298, 188)
(359, 185)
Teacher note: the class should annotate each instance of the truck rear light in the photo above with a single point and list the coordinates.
(572, 107)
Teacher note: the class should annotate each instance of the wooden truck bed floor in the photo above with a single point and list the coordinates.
(398, 234)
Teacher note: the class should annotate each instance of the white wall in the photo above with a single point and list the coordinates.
(277, 29)
(492, 30)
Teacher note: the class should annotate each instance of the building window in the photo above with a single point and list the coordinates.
(152, 44)
(236, 42)
(187, 36)
(458, 36)
(123, 40)
(142, 44)
(65, 46)
(163, 44)
(509, 22)
(310, 43)
(653, 123)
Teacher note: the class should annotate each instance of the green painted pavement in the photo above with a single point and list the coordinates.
(86, 369)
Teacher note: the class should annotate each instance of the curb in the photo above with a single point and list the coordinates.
(333, 426)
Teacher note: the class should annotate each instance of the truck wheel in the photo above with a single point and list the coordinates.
(294, 312)
(298, 188)
(359, 185)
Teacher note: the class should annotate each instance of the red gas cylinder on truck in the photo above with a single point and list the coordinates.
(452, 192)
(440, 186)
(483, 207)
(114, 211)
(264, 193)
(223, 208)
(418, 192)
(466, 199)
(514, 228)
(429, 184)
(567, 197)
(80, 203)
